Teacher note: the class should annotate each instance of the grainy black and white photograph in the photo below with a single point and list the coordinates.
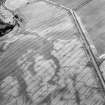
(52, 52)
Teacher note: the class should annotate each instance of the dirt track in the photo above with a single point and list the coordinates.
(93, 17)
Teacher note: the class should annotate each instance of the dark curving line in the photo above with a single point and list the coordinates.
(2, 2)
(5, 29)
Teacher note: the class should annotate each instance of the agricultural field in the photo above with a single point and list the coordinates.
(91, 13)
(45, 61)
(93, 17)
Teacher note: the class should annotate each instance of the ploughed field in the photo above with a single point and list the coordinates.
(47, 63)
(93, 17)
